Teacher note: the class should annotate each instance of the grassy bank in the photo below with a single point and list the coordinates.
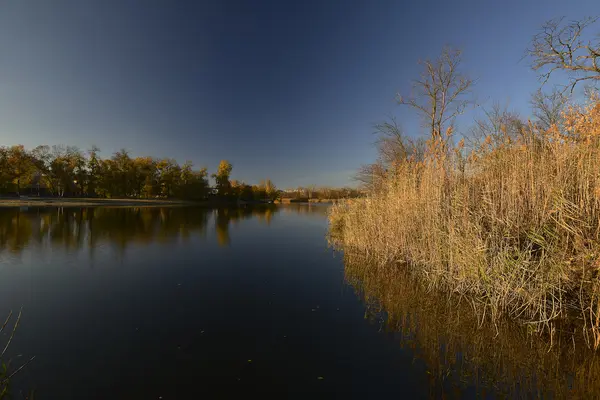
(513, 225)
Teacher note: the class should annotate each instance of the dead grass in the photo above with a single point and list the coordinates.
(514, 224)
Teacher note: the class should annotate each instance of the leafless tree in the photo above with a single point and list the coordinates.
(392, 145)
(548, 107)
(561, 46)
(371, 176)
(441, 93)
(498, 124)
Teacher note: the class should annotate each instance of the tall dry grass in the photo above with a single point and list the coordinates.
(513, 225)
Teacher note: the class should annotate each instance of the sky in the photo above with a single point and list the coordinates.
(286, 90)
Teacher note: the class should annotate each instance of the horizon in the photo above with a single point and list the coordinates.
(288, 92)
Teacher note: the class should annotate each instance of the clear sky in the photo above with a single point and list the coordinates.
(287, 90)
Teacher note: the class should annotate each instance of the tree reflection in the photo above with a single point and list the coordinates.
(74, 228)
(225, 216)
(462, 349)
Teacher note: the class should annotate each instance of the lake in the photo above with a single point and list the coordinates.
(171, 303)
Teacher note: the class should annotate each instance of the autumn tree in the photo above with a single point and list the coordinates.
(271, 191)
(222, 182)
(193, 184)
(19, 166)
(93, 168)
(66, 170)
(168, 173)
(259, 191)
(5, 178)
(145, 177)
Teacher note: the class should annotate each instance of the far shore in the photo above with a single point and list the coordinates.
(89, 202)
(304, 200)
(103, 202)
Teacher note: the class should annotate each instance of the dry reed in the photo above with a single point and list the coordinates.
(514, 224)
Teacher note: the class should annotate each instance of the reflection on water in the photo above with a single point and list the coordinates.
(75, 227)
(462, 351)
(91, 227)
(198, 292)
(225, 216)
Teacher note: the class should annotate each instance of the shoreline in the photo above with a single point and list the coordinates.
(94, 202)
(83, 202)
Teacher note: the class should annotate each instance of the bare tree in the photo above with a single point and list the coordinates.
(391, 143)
(548, 107)
(560, 46)
(498, 124)
(371, 176)
(441, 92)
(393, 146)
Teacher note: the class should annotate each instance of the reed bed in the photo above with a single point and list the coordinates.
(512, 224)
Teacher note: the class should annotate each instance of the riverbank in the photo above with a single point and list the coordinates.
(305, 200)
(87, 202)
(512, 226)
(95, 202)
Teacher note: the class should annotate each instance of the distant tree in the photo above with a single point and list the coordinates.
(222, 182)
(271, 191)
(5, 170)
(259, 191)
(145, 180)
(246, 192)
(20, 166)
(93, 168)
(168, 174)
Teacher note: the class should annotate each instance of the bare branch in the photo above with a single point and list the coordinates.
(561, 46)
(440, 95)
(548, 107)
(12, 335)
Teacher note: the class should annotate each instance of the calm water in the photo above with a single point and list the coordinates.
(195, 303)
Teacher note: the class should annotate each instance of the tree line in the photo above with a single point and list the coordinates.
(321, 193)
(68, 171)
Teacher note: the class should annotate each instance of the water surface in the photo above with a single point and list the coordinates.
(180, 302)
(198, 303)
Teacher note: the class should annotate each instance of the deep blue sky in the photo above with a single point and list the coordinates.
(285, 90)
